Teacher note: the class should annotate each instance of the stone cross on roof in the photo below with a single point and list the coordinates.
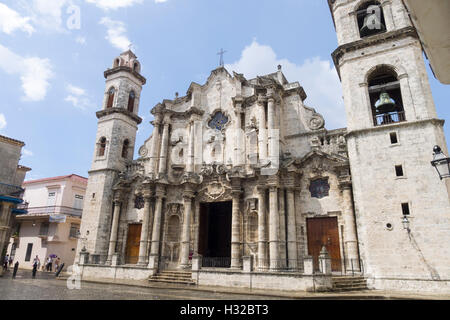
(221, 57)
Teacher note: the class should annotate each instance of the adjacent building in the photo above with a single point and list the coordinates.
(240, 183)
(11, 177)
(52, 222)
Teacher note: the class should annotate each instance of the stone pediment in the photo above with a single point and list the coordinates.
(319, 160)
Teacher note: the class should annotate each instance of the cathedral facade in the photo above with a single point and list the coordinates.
(241, 179)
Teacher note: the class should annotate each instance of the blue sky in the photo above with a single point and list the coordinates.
(52, 63)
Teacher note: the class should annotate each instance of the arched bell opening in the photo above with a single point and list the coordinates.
(370, 18)
(385, 96)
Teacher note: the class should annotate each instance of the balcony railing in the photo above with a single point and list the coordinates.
(388, 118)
(51, 210)
(11, 190)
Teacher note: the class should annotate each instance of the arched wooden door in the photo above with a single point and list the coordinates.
(324, 232)
(133, 243)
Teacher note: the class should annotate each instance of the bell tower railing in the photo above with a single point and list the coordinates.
(389, 118)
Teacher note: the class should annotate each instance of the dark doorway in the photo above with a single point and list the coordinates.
(215, 234)
(324, 232)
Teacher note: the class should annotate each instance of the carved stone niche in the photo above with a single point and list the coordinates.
(175, 209)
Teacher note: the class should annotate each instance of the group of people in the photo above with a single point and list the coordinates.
(7, 262)
(48, 265)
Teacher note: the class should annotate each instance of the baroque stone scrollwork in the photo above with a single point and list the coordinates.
(316, 122)
(143, 151)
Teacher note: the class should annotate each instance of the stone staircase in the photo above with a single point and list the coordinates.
(173, 277)
(349, 283)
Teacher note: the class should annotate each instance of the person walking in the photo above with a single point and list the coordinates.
(10, 261)
(5, 263)
(36, 263)
(57, 262)
(16, 267)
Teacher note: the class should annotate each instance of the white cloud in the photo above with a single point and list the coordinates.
(46, 14)
(116, 33)
(10, 21)
(160, 1)
(34, 73)
(80, 40)
(115, 4)
(3, 122)
(27, 153)
(318, 77)
(78, 97)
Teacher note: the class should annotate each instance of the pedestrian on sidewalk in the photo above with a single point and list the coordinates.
(36, 263)
(49, 264)
(5, 263)
(57, 262)
(16, 267)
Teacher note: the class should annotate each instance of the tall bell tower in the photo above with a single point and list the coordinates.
(401, 206)
(114, 148)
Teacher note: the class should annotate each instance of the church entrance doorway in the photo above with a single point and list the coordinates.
(133, 243)
(324, 232)
(215, 234)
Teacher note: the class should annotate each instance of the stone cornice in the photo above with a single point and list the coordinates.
(434, 121)
(11, 141)
(371, 41)
(127, 69)
(105, 112)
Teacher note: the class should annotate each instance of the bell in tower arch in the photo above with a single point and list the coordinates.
(372, 21)
(386, 104)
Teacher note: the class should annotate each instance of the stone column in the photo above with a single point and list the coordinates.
(114, 229)
(237, 138)
(156, 233)
(164, 149)
(186, 232)
(282, 217)
(271, 127)
(291, 231)
(236, 230)
(388, 17)
(143, 247)
(262, 239)
(274, 227)
(190, 160)
(262, 136)
(350, 238)
(155, 146)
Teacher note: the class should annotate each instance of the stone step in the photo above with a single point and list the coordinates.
(172, 281)
(171, 278)
(349, 282)
(186, 274)
(361, 288)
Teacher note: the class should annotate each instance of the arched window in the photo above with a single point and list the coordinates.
(111, 94)
(136, 67)
(131, 98)
(125, 147)
(116, 63)
(102, 147)
(385, 96)
(370, 19)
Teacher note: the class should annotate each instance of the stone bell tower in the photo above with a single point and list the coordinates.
(392, 129)
(114, 148)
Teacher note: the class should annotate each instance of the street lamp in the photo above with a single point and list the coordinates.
(441, 163)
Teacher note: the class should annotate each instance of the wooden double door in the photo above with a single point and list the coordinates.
(324, 232)
(133, 243)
